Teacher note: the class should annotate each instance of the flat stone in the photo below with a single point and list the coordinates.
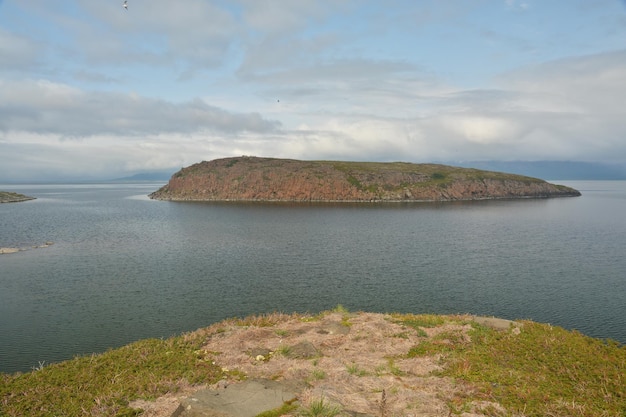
(302, 350)
(495, 323)
(259, 351)
(245, 399)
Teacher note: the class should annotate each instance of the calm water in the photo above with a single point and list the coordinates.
(124, 267)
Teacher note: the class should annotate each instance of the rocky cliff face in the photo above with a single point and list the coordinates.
(270, 179)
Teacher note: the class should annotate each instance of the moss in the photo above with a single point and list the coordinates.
(232, 162)
(354, 182)
(286, 408)
(104, 384)
(543, 370)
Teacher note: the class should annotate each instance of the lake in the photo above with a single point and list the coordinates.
(124, 267)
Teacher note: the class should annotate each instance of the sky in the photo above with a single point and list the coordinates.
(89, 89)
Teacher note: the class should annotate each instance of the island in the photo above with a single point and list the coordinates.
(9, 197)
(249, 178)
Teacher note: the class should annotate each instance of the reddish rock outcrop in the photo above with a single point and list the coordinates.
(270, 179)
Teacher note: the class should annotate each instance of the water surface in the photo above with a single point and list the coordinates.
(124, 267)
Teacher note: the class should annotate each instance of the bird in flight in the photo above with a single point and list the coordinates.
(125, 5)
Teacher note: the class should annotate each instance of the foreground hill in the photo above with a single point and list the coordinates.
(270, 179)
(336, 364)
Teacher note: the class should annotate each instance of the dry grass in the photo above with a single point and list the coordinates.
(104, 385)
(358, 364)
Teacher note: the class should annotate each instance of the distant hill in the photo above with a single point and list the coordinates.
(554, 170)
(147, 176)
(272, 179)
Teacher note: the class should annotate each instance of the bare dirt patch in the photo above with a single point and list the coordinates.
(357, 362)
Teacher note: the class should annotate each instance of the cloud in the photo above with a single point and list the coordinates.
(88, 86)
(591, 83)
(50, 108)
(18, 53)
(578, 100)
(280, 17)
(481, 129)
(563, 109)
(387, 111)
(517, 5)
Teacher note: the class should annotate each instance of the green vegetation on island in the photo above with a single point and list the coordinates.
(520, 369)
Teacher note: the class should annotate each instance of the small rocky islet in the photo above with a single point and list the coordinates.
(10, 197)
(249, 178)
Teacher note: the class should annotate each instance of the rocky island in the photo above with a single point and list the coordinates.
(9, 197)
(249, 178)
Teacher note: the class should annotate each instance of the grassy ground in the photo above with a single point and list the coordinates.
(540, 370)
(434, 170)
(104, 384)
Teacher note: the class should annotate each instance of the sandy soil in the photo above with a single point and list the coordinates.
(355, 361)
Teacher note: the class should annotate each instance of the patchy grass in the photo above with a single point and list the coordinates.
(389, 369)
(356, 370)
(320, 408)
(318, 374)
(104, 384)
(287, 408)
(263, 320)
(283, 350)
(420, 320)
(527, 370)
(539, 371)
(340, 309)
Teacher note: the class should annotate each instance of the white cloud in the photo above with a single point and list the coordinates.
(18, 53)
(481, 129)
(272, 17)
(591, 83)
(517, 5)
(46, 107)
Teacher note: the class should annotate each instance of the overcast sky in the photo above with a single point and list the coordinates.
(89, 89)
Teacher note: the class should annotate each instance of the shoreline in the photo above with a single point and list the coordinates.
(372, 201)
